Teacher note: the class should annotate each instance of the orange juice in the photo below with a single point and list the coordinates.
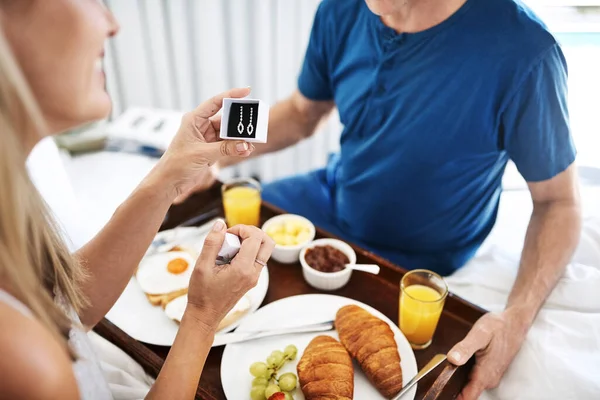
(420, 310)
(242, 205)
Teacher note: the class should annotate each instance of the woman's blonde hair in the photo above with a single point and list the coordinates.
(35, 263)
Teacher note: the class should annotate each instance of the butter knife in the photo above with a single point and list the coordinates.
(236, 337)
(430, 366)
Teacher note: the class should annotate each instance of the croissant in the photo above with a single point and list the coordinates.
(371, 342)
(325, 371)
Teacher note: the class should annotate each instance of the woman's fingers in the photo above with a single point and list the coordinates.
(213, 152)
(212, 244)
(251, 241)
(259, 245)
(216, 122)
(264, 253)
(212, 106)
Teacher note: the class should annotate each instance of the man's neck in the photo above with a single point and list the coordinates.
(419, 15)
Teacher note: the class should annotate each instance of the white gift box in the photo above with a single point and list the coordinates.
(231, 246)
(245, 119)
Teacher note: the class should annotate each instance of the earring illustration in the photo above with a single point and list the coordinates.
(250, 129)
(240, 127)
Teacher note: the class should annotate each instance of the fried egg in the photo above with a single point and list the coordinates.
(164, 273)
(176, 308)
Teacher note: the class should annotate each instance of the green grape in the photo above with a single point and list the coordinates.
(269, 374)
(288, 382)
(288, 396)
(258, 393)
(260, 381)
(271, 362)
(290, 352)
(259, 370)
(275, 359)
(271, 389)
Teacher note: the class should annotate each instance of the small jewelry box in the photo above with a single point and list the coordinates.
(245, 119)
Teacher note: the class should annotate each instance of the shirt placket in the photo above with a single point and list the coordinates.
(379, 107)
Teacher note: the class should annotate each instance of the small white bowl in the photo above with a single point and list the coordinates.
(289, 254)
(327, 280)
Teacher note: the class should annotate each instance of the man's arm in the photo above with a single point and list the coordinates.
(552, 236)
(551, 239)
(290, 121)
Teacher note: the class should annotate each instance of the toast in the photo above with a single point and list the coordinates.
(164, 299)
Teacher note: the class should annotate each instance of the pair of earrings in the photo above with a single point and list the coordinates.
(250, 128)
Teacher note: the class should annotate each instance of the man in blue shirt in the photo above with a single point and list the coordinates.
(435, 97)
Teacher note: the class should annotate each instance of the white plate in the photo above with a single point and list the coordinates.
(135, 316)
(294, 311)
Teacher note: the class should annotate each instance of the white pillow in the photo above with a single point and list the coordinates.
(48, 174)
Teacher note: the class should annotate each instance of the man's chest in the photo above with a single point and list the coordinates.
(417, 98)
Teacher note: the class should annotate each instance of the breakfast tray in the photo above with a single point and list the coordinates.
(379, 291)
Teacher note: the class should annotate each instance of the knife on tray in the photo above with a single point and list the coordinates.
(236, 337)
(430, 366)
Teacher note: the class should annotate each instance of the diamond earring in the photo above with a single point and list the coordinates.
(240, 127)
(250, 129)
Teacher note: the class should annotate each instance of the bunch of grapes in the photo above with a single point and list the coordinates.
(266, 383)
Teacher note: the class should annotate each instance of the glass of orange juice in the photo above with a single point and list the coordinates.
(241, 201)
(422, 297)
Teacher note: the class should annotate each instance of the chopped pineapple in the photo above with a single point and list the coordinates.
(292, 227)
(303, 236)
(274, 230)
(289, 233)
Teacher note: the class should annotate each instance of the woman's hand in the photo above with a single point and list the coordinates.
(214, 290)
(196, 145)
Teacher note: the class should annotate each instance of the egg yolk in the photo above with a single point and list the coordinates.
(177, 266)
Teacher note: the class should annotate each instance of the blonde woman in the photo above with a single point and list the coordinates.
(50, 80)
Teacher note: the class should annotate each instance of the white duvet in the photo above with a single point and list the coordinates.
(560, 358)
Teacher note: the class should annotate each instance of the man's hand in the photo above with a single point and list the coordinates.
(494, 340)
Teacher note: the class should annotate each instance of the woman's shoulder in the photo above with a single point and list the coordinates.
(33, 364)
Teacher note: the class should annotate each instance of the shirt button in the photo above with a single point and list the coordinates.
(380, 89)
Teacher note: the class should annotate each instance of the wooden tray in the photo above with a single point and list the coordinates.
(380, 292)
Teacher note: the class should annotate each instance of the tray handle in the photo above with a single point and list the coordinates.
(440, 383)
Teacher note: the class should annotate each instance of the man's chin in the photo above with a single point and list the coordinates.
(380, 7)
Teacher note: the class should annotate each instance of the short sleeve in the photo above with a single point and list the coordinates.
(535, 124)
(314, 81)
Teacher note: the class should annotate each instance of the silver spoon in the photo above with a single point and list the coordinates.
(369, 268)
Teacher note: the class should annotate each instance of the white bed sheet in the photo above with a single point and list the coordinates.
(560, 358)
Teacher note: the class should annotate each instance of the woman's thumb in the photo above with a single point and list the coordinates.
(227, 148)
(213, 243)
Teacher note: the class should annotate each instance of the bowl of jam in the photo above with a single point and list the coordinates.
(324, 263)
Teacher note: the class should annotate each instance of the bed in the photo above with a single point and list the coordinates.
(561, 356)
